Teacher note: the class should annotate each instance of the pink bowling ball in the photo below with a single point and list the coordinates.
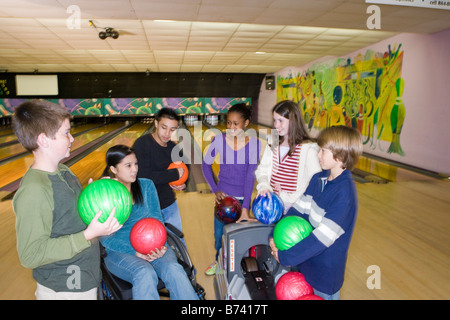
(292, 286)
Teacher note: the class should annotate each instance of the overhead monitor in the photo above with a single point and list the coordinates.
(36, 85)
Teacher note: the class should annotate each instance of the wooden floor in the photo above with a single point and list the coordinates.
(402, 229)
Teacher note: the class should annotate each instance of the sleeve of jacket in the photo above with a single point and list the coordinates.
(34, 221)
(327, 229)
(208, 160)
(264, 170)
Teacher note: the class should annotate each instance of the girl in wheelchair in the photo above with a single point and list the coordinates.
(142, 271)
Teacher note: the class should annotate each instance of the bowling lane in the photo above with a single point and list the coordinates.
(5, 129)
(389, 172)
(14, 170)
(11, 150)
(7, 137)
(92, 165)
(15, 149)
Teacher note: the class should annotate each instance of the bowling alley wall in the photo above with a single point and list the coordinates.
(139, 94)
(396, 93)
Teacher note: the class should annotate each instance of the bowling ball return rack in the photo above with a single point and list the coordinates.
(246, 269)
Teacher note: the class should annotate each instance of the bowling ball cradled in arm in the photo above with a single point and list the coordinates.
(184, 176)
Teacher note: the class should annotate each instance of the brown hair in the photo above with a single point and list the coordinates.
(34, 117)
(297, 129)
(344, 142)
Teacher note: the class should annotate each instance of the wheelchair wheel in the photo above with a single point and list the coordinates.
(180, 250)
(184, 259)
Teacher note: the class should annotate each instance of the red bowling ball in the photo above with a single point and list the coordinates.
(147, 235)
(292, 286)
(310, 297)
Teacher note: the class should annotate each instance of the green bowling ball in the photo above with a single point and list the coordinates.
(289, 231)
(104, 194)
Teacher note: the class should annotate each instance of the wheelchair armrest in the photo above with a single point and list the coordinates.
(175, 230)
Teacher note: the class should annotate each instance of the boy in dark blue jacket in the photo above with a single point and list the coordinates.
(330, 204)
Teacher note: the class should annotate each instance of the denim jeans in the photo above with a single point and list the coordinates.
(143, 275)
(171, 214)
(325, 296)
(218, 230)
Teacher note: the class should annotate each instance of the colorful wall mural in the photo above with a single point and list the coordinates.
(133, 106)
(364, 93)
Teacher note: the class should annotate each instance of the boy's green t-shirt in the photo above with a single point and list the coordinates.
(50, 237)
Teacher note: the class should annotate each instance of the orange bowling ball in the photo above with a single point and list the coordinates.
(175, 165)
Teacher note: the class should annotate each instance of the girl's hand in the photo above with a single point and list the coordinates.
(219, 196)
(264, 193)
(158, 253)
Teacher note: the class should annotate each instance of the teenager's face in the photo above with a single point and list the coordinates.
(236, 124)
(281, 124)
(126, 170)
(326, 159)
(165, 127)
(62, 141)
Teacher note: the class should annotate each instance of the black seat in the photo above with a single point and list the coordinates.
(114, 288)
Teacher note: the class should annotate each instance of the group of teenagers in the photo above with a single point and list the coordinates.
(312, 177)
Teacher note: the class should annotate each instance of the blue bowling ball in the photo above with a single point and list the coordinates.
(268, 210)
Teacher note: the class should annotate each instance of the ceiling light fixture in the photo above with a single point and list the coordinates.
(109, 32)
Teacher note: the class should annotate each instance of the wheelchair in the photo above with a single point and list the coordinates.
(114, 288)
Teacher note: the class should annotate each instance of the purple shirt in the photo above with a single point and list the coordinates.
(237, 168)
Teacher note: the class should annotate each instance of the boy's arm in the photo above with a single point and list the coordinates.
(34, 219)
(145, 158)
(326, 232)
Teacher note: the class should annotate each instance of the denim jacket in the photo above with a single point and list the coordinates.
(120, 240)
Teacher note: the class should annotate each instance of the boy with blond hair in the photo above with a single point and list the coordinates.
(330, 205)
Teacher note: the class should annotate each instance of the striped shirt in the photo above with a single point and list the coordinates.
(285, 170)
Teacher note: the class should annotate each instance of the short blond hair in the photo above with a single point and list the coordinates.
(345, 144)
(34, 117)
